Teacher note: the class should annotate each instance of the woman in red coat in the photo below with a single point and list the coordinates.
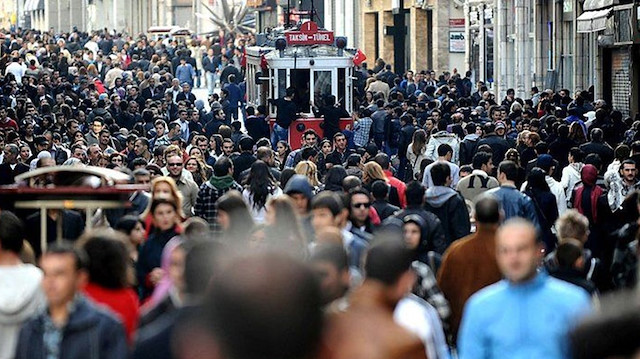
(110, 277)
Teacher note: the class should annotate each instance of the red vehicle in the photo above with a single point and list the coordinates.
(309, 59)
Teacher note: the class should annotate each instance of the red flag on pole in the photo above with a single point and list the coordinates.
(359, 58)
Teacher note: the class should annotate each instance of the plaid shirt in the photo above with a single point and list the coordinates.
(361, 131)
(206, 208)
(426, 287)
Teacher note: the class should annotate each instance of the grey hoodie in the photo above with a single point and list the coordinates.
(21, 297)
(437, 196)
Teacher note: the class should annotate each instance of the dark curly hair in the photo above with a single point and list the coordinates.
(108, 259)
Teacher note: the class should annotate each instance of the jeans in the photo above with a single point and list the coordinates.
(211, 81)
(198, 74)
(278, 134)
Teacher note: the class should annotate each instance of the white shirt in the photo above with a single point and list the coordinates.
(557, 190)
(420, 318)
(17, 70)
(259, 214)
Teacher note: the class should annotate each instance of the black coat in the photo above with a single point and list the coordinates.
(500, 146)
(257, 127)
(7, 175)
(384, 209)
(186, 97)
(332, 116)
(601, 149)
(72, 228)
(241, 163)
(434, 231)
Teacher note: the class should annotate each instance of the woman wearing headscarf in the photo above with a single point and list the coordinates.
(590, 200)
(168, 293)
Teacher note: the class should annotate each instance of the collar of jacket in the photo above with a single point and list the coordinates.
(443, 134)
(81, 315)
(480, 173)
(532, 284)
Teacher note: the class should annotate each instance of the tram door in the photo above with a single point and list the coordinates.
(301, 81)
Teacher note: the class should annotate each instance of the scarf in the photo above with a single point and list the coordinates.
(589, 175)
(221, 182)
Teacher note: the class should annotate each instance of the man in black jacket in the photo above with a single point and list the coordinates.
(332, 114)
(10, 167)
(499, 144)
(599, 147)
(415, 202)
(245, 159)
(380, 193)
(285, 115)
(447, 204)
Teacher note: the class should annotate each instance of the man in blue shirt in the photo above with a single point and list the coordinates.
(513, 203)
(185, 72)
(235, 97)
(526, 315)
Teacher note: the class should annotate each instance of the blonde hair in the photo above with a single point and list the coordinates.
(310, 170)
(170, 149)
(572, 225)
(176, 195)
(373, 171)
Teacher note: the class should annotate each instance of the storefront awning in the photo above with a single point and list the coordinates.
(33, 5)
(590, 5)
(592, 21)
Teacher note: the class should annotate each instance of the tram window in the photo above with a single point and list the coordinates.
(321, 87)
(300, 79)
(282, 83)
(341, 87)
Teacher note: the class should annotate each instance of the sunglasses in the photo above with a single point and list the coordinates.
(174, 164)
(361, 205)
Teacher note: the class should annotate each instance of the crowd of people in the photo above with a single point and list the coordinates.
(444, 223)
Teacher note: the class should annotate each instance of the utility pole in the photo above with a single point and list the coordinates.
(522, 35)
(399, 34)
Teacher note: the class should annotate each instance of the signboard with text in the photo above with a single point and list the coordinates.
(456, 41)
(309, 35)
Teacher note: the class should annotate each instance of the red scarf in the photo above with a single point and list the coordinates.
(589, 175)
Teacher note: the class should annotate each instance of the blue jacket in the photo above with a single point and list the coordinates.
(185, 74)
(90, 333)
(515, 204)
(529, 320)
(235, 95)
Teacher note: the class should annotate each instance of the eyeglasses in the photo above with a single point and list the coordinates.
(177, 164)
(361, 205)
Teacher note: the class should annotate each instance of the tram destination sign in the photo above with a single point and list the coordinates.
(309, 35)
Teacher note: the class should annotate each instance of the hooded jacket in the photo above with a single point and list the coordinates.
(451, 208)
(208, 193)
(21, 298)
(441, 138)
(570, 177)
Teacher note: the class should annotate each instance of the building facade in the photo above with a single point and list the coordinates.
(569, 44)
(413, 34)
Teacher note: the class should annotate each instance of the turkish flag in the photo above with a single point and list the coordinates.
(359, 58)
